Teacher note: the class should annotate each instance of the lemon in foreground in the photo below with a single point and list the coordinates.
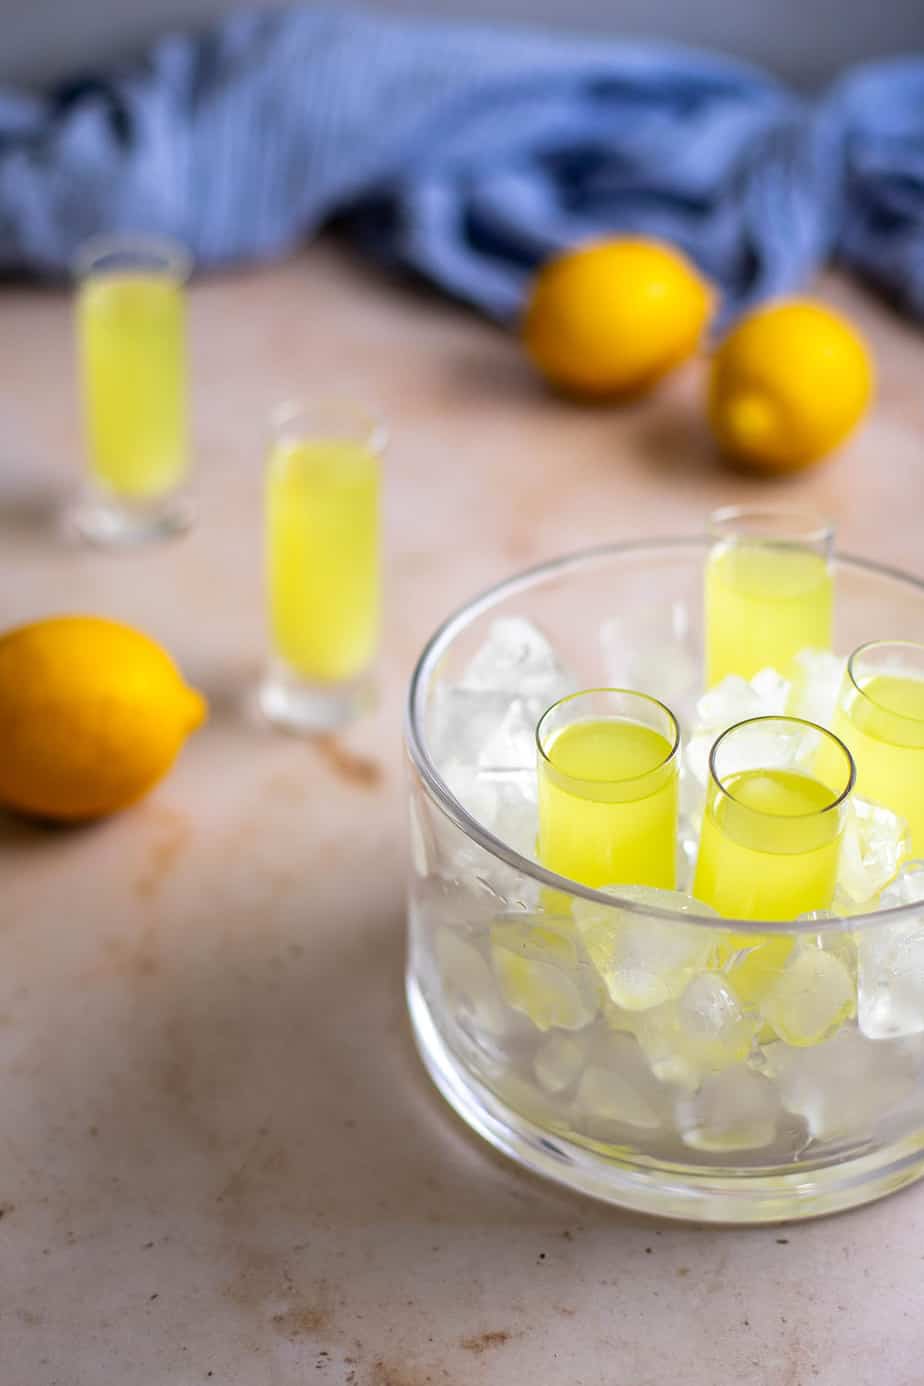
(92, 715)
(611, 318)
(788, 384)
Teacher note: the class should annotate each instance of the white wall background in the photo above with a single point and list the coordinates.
(806, 41)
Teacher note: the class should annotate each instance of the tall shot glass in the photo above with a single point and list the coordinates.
(131, 337)
(323, 563)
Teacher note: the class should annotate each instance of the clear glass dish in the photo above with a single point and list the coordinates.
(567, 1082)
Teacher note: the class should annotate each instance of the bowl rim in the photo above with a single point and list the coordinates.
(445, 800)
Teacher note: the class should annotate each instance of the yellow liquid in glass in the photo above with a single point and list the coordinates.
(884, 730)
(322, 515)
(763, 605)
(131, 331)
(618, 826)
(768, 850)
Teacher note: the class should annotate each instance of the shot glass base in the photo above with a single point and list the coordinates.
(110, 523)
(296, 705)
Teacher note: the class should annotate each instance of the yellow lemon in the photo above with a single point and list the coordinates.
(611, 318)
(788, 384)
(92, 714)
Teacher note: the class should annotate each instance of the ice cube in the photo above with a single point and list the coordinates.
(460, 721)
(706, 1029)
(610, 1097)
(837, 942)
(691, 801)
(511, 747)
(736, 1109)
(530, 1101)
(842, 1087)
(516, 658)
(907, 888)
(816, 686)
(890, 968)
(617, 1089)
(507, 811)
(483, 729)
(658, 1036)
(713, 1026)
(488, 717)
(668, 669)
(875, 841)
(516, 819)
(558, 1061)
(687, 849)
(643, 961)
(729, 702)
(474, 793)
(810, 998)
(464, 909)
(458, 858)
(541, 973)
(753, 962)
(469, 986)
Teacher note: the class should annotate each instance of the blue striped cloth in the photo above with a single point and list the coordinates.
(469, 154)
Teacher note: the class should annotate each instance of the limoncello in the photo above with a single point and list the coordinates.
(764, 603)
(769, 846)
(608, 803)
(322, 546)
(882, 723)
(131, 330)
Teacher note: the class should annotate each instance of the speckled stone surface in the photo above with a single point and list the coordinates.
(221, 1160)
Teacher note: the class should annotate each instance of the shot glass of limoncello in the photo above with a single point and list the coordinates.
(769, 590)
(323, 564)
(131, 336)
(775, 805)
(607, 763)
(881, 718)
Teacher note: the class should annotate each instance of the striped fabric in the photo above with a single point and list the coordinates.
(469, 154)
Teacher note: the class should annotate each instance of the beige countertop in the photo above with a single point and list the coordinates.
(221, 1160)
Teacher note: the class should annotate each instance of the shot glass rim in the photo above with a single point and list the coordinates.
(625, 779)
(883, 707)
(177, 257)
(818, 530)
(802, 721)
(375, 435)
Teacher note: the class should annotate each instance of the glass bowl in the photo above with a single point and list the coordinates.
(518, 1027)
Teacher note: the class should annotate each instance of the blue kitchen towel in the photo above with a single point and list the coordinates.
(469, 154)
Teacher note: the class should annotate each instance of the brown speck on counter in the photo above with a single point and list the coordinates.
(483, 1342)
(683, 1270)
(174, 832)
(302, 1321)
(385, 1375)
(349, 766)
